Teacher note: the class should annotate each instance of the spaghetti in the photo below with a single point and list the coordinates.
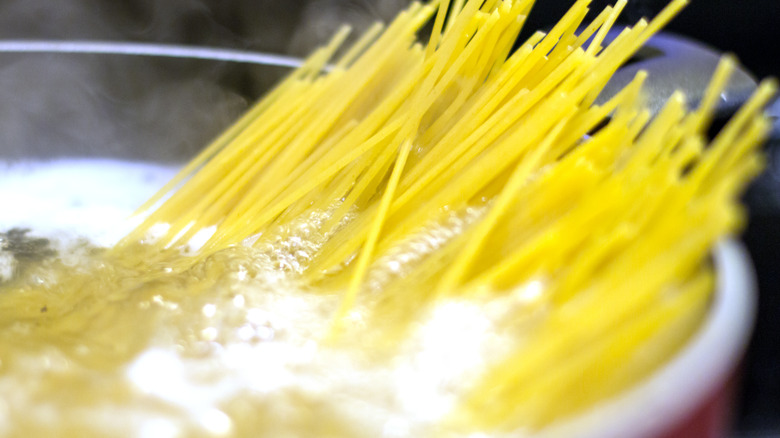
(464, 170)
(403, 134)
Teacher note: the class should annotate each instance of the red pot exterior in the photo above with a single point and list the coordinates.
(712, 419)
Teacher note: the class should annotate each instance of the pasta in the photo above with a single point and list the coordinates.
(597, 219)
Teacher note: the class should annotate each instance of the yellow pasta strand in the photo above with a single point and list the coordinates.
(605, 213)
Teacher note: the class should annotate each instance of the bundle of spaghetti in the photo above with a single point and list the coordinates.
(600, 214)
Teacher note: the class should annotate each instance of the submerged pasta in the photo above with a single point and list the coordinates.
(422, 240)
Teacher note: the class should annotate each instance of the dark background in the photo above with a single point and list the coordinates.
(748, 28)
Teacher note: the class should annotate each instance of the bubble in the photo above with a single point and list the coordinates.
(209, 334)
(246, 332)
(217, 422)
(209, 310)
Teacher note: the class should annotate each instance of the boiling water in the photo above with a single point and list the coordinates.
(227, 347)
(75, 197)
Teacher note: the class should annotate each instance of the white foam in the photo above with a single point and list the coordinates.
(90, 198)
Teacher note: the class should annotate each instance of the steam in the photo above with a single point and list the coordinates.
(141, 108)
(321, 18)
(112, 106)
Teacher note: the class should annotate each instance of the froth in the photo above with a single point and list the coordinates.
(76, 198)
